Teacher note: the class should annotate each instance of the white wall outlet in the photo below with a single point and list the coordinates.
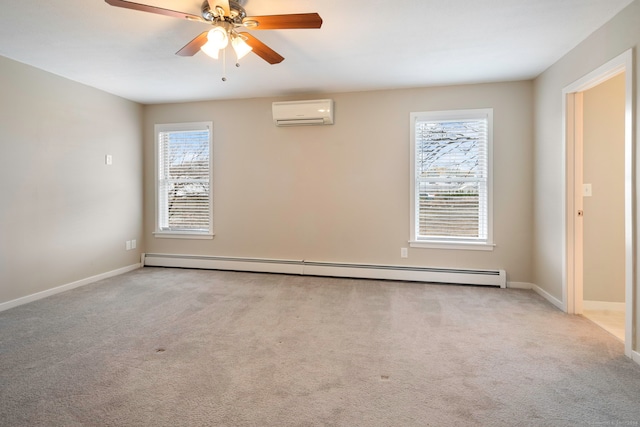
(128, 245)
(133, 244)
(108, 159)
(404, 253)
(587, 191)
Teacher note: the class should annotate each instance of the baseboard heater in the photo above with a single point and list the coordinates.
(311, 268)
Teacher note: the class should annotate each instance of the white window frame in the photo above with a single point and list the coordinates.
(178, 127)
(452, 243)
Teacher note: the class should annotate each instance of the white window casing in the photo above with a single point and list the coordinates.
(183, 175)
(451, 179)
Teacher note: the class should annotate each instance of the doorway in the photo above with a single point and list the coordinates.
(579, 231)
(603, 296)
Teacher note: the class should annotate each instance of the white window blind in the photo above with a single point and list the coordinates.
(184, 178)
(451, 197)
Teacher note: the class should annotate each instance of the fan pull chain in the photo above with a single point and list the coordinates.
(224, 65)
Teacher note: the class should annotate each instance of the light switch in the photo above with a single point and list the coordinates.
(586, 190)
(108, 159)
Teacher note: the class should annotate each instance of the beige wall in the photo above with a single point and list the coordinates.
(340, 193)
(64, 215)
(615, 37)
(604, 243)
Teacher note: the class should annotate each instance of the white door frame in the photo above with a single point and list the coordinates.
(572, 291)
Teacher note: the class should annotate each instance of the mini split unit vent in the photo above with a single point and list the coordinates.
(301, 113)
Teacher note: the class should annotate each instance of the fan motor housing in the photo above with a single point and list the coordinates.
(236, 7)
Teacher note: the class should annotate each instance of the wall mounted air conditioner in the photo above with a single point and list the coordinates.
(300, 113)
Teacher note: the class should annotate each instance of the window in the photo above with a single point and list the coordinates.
(451, 179)
(183, 180)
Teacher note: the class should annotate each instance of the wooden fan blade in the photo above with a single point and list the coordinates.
(224, 4)
(153, 9)
(193, 46)
(283, 22)
(262, 50)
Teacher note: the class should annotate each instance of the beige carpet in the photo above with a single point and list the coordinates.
(171, 347)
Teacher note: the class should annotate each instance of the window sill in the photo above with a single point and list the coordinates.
(467, 246)
(182, 235)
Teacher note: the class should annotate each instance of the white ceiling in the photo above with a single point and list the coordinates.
(362, 45)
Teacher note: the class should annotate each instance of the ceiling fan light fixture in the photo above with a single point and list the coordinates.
(225, 16)
(210, 49)
(218, 37)
(240, 47)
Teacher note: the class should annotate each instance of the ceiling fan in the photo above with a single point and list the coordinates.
(226, 17)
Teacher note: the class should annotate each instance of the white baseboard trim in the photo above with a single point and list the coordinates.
(546, 295)
(39, 295)
(603, 305)
(520, 285)
(635, 356)
(313, 268)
